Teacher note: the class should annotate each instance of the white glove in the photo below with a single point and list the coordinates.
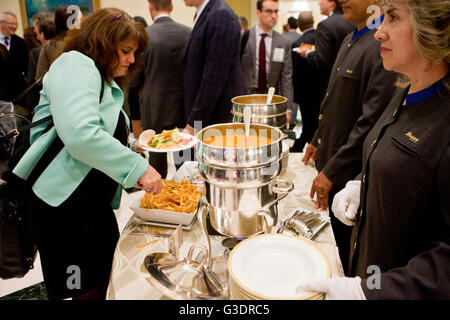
(335, 288)
(346, 202)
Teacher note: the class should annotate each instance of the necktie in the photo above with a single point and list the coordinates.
(6, 42)
(195, 16)
(262, 81)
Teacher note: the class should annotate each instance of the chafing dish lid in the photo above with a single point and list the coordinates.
(186, 279)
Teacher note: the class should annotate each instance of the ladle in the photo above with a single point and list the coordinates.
(247, 118)
(270, 94)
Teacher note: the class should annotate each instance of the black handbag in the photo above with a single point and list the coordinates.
(17, 249)
(12, 117)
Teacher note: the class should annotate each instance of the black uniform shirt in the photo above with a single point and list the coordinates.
(358, 92)
(404, 219)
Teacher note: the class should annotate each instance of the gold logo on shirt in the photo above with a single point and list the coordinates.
(349, 71)
(411, 137)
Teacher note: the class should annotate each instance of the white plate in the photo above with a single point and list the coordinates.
(270, 266)
(145, 136)
(161, 216)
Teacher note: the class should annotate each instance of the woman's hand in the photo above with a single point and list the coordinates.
(137, 147)
(310, 153)
(150, 181)
(189, 130)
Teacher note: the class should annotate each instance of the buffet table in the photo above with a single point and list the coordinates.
(129, 279)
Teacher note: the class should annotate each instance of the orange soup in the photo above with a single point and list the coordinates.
(238, 140)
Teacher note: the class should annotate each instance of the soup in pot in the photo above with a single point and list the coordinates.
(237, 139)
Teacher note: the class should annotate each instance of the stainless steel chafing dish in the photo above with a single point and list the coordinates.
(242, 186)
(272, 114)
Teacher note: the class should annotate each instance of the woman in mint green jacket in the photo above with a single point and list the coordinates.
(81, 158)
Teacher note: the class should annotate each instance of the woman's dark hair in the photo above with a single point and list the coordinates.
(98, 37)
(30, 38)
(141, 20)
(62, 16)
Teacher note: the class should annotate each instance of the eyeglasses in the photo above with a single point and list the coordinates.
(270, 11)
(10, 23)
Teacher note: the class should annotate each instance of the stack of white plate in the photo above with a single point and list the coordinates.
(270, 266)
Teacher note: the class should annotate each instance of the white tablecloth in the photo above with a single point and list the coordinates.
(129, 279)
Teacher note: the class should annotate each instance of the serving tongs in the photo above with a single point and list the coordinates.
(305, 224)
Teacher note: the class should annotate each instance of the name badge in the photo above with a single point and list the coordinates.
(278, 55)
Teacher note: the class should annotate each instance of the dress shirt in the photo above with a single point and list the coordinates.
(2, 39)
(268, 42)
(199, 11)
(160, 16)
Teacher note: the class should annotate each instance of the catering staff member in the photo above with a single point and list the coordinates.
(401, 237)
(358, 92)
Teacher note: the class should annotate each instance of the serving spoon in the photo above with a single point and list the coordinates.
(270, 94)
(247, 118)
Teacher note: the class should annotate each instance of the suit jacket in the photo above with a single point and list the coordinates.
(212, 71)
(161, 102)
(32, 97)
(279, 73)
(305, 80)
(330, 34)
(85, 127)
(292, 36)
(358, 92)
(15, 69)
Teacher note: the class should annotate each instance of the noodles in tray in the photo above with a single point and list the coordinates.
(175, 196)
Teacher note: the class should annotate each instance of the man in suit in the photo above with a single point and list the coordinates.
(16, 59)
(358, 92)
(292, 34)
(44, 28)
(306, 83)
(212, 71)
(330, 34)
(266, 61)
(160, 105)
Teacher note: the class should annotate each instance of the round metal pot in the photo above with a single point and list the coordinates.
(239, 157)
(238, 212)
(273, 114)
(241, 184)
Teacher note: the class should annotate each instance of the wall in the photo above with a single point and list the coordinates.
(184, 14)
(241, 8)
(181, 13)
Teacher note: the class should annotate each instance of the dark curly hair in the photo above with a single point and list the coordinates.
(99, 36)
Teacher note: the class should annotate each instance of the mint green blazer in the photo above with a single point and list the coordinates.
(71, 92)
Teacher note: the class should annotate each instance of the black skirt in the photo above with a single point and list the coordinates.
(76, 240)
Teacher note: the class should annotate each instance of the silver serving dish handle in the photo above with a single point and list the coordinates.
(282, 188)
